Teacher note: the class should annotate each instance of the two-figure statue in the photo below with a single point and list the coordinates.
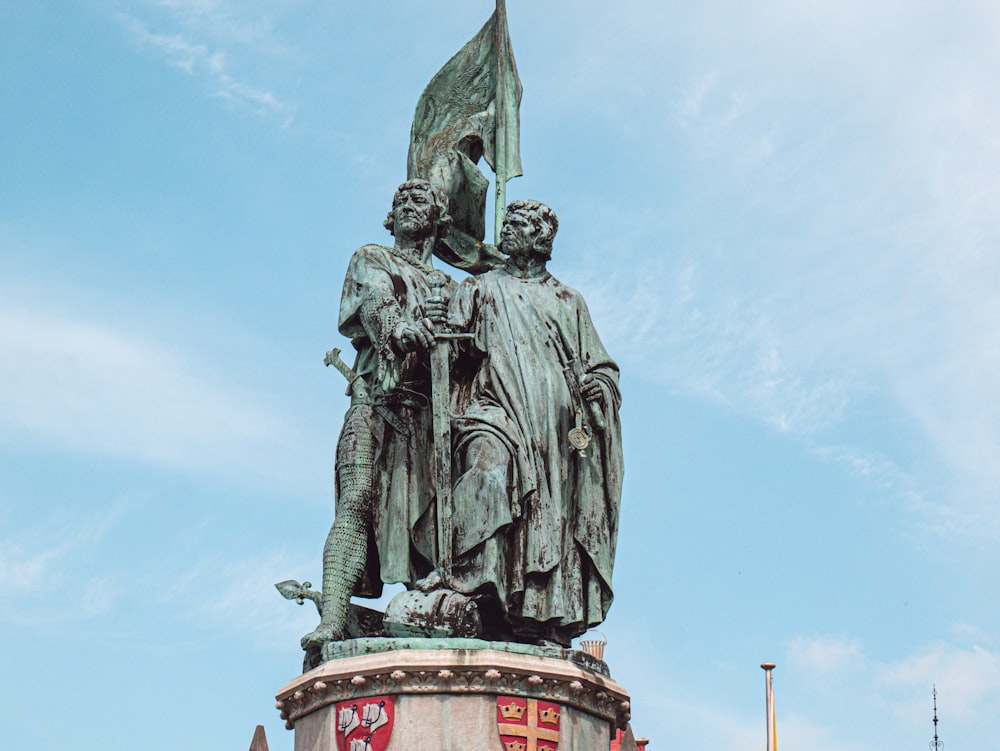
(535, 436)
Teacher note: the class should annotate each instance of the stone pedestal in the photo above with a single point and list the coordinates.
(458, 697)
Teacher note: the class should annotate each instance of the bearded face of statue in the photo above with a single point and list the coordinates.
(517, 237)
(529, 227)
(414, 213)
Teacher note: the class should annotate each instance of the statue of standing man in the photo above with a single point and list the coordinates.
(538, 447)
(384, 530)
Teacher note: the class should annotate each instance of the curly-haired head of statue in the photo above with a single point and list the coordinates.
(417, 203)
(528, 227)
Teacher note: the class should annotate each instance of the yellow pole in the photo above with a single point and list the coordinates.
(772, 729)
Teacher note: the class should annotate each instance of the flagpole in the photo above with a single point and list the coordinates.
(772, 730)
(501, 204)
(499, 138)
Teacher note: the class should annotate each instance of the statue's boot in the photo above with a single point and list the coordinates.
(429, 583)
(323, 634)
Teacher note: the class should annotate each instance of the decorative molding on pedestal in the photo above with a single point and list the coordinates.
(436, 671)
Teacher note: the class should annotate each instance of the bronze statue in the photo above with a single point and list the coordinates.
(537, 448)
(480, 460)
(384, 529)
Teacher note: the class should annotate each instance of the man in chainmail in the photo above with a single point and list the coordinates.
(384, 529)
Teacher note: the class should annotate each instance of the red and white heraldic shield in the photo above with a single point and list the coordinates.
(365, 724)
(528, 724)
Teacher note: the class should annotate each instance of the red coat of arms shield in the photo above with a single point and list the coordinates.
(528, 724)
(365, 724)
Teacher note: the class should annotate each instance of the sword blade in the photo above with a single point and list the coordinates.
(441, 426)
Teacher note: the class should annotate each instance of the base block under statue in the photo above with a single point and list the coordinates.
(460, 695)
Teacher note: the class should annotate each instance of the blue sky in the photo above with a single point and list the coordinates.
(782, 214)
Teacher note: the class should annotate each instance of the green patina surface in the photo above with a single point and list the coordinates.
(480, 461)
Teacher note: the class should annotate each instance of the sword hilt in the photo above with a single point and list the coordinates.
(333, 358)
(437, 280)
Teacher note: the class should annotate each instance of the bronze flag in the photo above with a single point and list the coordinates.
(470, 110)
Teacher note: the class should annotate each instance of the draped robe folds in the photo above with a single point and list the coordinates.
(381, 289)
(542, 540)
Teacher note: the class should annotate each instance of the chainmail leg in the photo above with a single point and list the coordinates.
(346, 549)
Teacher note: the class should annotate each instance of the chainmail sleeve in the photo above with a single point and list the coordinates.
(370, 311)
(380, 316)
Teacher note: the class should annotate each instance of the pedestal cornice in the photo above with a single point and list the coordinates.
(453, 671)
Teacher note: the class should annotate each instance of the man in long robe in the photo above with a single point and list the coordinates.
(535, 520)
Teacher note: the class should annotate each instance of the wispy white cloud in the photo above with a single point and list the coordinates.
(842, 160)
(223, 43)
(969, 675)
(198, 59)
(824, 655)
(833, 693)
(670, 324)
(39, 570)
(69, 384)
(23, 570)
(247, 22)
(838, 670)
(699, 718)
(691, 101)
(237, 595)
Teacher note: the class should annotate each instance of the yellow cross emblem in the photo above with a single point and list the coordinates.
(536, 736)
